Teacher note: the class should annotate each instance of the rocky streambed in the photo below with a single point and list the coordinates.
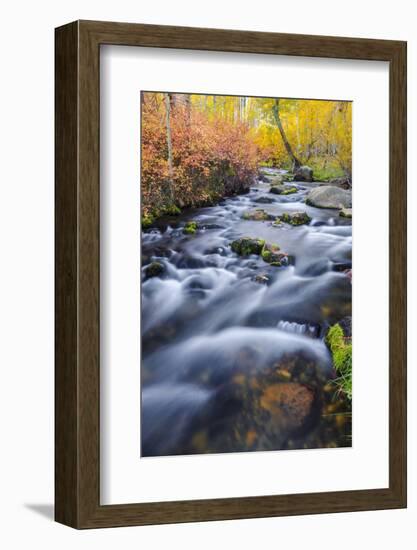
(236, 301)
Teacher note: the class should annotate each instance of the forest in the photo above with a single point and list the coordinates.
(199, 148)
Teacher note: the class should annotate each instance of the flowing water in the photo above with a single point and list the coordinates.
(233, 357)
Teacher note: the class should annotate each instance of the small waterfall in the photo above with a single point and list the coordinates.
(298, 328)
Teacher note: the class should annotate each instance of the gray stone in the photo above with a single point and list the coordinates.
(329, 197)
(303, 173)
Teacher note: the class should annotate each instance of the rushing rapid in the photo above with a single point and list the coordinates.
(233, 357)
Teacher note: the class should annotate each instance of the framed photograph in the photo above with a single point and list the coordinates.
(230, 274)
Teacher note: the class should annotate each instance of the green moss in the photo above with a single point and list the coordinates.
(282, 190)
(247, 246)
(172, 210)
(270, 254)
(297, 218)
(266, 256)
(147, 220)
(190, 228)
(289, 191)
(325, 173)
(341, 349)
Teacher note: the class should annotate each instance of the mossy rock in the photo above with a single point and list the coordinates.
(246, 246)
(275, 180)
(271, 254)
(154, 269)
(303, 173)
(283, 190)
(257, 215)
(190, 228)
(296, 218)
(346, 213)
(290, 190)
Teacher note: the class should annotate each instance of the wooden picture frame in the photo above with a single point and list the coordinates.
(77, 408)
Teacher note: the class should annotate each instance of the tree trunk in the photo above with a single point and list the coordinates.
(168, 101)
(295, 162)
(187, 101)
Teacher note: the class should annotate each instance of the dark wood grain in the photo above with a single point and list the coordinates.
(66, 237)
(78, 285)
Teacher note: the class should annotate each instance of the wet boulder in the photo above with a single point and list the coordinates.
(283, 190)
(303, 173)
(257, 215)
(262, 177)
(346, 213)
(154, 269)
(245, 246)
(296, 218)
(279, 179)
(265, 200)
(328, 196)
(271, 254)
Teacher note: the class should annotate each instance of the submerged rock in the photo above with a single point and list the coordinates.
(245, 246)
(328, 196)
(289, 404)
(303, 173)
(346, 213)
(261, 278)
(154, 269)
(257, 215)
(210, 226)
(264, 200)
(296, 218)
(341, 267)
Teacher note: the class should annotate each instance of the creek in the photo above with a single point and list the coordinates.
(233, 352)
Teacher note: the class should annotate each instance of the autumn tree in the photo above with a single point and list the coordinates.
(169, 101)
(197, 148)
(276, 110)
